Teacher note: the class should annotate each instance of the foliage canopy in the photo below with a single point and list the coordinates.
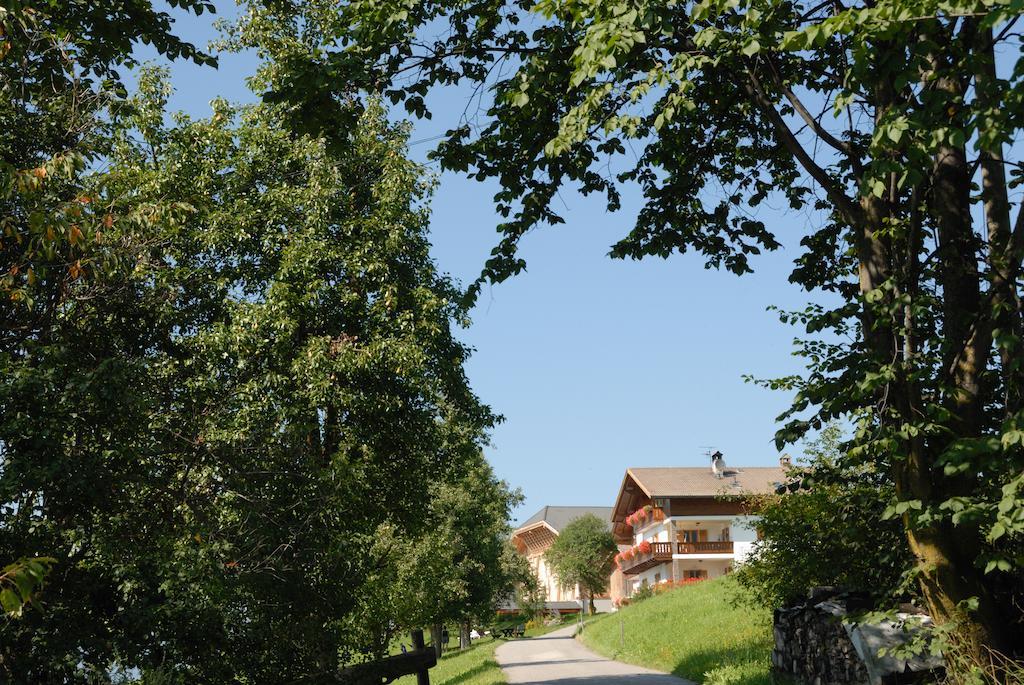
(210, 429)
(888, 120)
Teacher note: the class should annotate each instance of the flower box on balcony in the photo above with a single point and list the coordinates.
(644, 514)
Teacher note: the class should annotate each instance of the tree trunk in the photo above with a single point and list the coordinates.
(593, 609)
(947, 580)
(464, 640)
(946, 554)
(435, 637)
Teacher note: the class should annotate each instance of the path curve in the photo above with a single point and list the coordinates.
(558, 658)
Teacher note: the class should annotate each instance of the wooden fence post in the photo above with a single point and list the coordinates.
(422, 675)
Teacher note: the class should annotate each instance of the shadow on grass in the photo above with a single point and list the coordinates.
(725, 667)
(478, 670)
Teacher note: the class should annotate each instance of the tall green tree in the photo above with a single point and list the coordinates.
(226, 364)
(891, 120)
(583, 556)
(271, 378)
(58, 81)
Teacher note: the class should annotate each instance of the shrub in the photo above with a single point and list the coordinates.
(643, 592)
(828, 528)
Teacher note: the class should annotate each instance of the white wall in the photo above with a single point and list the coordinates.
(664, 569)
(547, 578)
(743, 531)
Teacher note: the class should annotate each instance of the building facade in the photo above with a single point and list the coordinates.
(680, 523)
(536, 535)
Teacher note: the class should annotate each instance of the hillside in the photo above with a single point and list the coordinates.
(694, 632)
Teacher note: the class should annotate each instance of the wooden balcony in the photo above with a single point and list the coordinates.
(706, 547)
(663, 551)
(659, 554)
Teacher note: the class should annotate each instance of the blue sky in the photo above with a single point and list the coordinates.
(596, 364)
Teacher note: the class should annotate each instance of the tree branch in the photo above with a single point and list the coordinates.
(812, 121)
(846, 205)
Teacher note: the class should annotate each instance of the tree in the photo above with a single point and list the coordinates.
(827, 528)
(583, 555)
(460, 567)
(266, 386)
(227, 364)
(713, 107)
(57, 80)
(531, 596)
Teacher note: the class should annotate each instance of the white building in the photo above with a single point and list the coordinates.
(685, 523)
(535, 536)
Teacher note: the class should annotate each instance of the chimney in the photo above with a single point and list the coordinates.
(717, 464)
(785, 461)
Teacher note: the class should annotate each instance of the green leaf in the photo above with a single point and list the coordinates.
(10, 602)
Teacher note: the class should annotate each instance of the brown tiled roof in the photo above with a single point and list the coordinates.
(681, 481)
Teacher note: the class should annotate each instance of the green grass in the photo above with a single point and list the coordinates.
(694, 632)
(473, 666)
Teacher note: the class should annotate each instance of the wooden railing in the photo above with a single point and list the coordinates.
(661, 549)
(390, 668)
(660, 552)
(706, 547)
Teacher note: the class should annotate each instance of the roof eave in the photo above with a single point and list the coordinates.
(526, 529)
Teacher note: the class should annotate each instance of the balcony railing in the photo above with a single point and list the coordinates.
(705, 547)
(662, 552)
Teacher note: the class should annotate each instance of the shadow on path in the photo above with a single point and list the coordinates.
(559, 658)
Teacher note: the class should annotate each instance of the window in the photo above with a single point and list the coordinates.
(726, 534)
(692, 536)
(694, 574)
(657, 578)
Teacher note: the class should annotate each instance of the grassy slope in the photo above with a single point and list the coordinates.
(694, 632)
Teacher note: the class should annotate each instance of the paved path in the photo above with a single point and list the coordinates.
(558, 658)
